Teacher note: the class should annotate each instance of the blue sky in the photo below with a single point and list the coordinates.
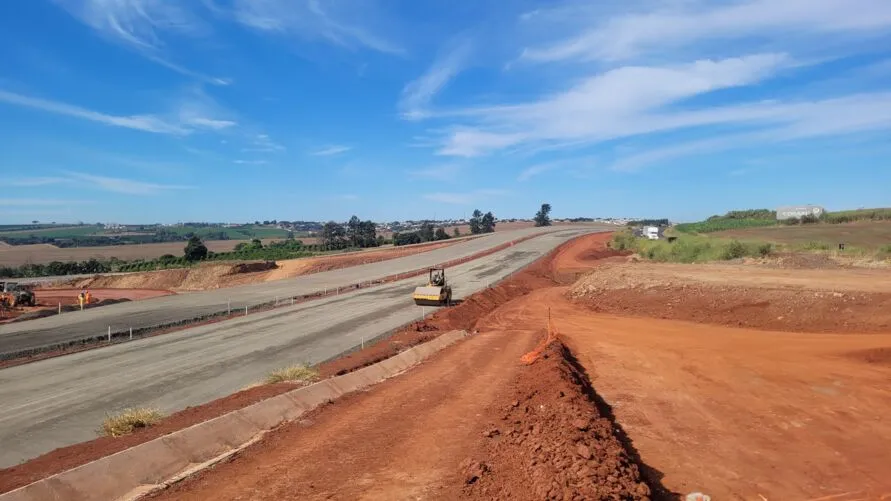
(236, 110)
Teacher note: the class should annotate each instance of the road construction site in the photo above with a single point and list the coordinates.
(182, 308)
(683, 406)
(57, 402)
(719, 382)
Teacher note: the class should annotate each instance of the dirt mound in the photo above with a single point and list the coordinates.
(203, 277)
(552, 442)
(780, 300)
(878, 356)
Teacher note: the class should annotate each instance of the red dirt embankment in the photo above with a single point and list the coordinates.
(845, 300)
(551, 442)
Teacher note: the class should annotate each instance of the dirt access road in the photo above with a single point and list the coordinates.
(737, 413)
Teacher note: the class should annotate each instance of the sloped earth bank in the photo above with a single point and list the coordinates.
(551, 442)
(220, 275)
(462, 317)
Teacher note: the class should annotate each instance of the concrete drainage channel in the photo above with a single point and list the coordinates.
(118, 336)
(154, 465)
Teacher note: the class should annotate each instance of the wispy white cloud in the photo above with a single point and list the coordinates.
(781, 122)
(618, 103)
(29, 182)
(417, 94)
(262, 143)
(444, 172)
(342, 23)
(250, 162)
(148, 123)
(126, 186)
(328, 151)
(348, 197)
(37, 202)
(673, 26)
(183, 121)
(535, 170)
(464, 198)
(144, 26)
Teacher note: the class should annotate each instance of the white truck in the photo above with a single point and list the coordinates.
(652, 233)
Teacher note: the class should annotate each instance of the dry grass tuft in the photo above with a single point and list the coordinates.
(295, 373)
(130, 420)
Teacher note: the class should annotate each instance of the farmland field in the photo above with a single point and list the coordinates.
(54, 232)
(245, 232)
(865, 234)
(17, 255)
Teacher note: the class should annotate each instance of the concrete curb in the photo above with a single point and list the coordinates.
(134, 472)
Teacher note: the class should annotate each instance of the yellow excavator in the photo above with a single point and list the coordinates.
(436, 293)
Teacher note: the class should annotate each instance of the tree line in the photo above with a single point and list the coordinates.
(357, 234)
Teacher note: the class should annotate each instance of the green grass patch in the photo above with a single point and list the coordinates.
(63, 232)
(690, 248)
(849, 216)
(723, 225)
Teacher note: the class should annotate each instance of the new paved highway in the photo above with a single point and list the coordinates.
(93, 322)
(60, 401)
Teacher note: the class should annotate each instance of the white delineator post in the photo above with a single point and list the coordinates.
(131, 333)
(60, 308)
(109, 333)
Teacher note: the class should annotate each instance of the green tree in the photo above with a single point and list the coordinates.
(488, 223)
(333, 236)
(426, 232)
(456, 232)
(195, 249)
(352, 232)
(441, 234)
(476, 222)
(543, 216)
(367, 234)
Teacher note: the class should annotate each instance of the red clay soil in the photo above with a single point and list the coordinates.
(404, 438)
(551, 442)
(755, 308)
(463, 316)
(470, 423)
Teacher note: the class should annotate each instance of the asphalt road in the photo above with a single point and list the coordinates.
(61, 401)
(80, 324)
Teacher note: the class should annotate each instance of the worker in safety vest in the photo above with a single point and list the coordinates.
(88, 297)
(81, 298)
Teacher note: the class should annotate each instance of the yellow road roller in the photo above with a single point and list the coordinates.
(436, 293)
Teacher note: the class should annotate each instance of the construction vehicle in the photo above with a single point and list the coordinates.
(436, 293)
(12, 294)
